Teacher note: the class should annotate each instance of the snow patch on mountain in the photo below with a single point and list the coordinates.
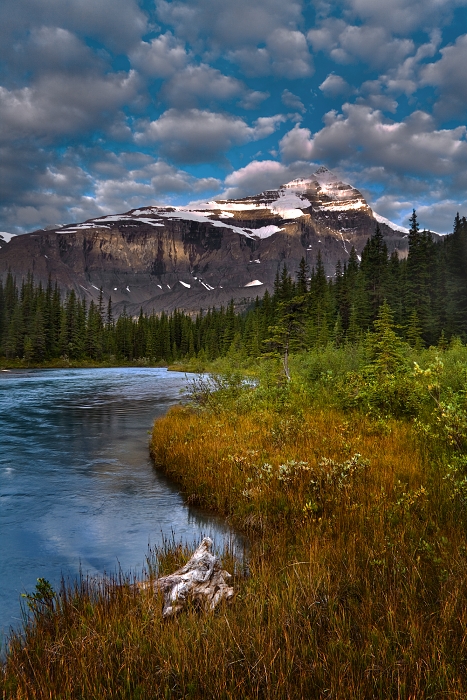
(199, 216)
(342, 206)
(395, 227)
(254, 283)
(151, 222)
(228, 206)
(265, 231)
(289, 205)
(6, 237)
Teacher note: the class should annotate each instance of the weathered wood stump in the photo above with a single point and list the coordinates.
(201, 580)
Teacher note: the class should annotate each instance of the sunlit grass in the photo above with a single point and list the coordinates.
(354, 586)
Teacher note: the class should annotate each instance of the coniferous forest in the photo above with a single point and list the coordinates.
(426, 292)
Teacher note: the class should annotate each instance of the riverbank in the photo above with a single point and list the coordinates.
(65, 363)
(357, 575)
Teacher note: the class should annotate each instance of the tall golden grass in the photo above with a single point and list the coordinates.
(355, 584)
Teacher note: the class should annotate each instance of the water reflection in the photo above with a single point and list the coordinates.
(77, 487)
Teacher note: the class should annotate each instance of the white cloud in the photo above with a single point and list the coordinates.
(437, 216)
(412, 146)
(200, 84)
(261, 175)
(449, 76)
(326, 36)
(58, 104)
(286, 54)
(253, 99)
(292, 101)
(154, 183)
(54, 50)
(403, 16)
(346, 43)
(297, 144)
(229, 24)
(334, 85)
(161, 57)
(405, 78)
(116, 183)
(118, 24)
(199, 136)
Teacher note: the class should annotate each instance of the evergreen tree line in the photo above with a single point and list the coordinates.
(426, 291)
(38, 325)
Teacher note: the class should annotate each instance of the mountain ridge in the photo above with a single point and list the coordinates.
(191, 257)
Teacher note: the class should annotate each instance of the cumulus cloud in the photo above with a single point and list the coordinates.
(261, 175)
(292, 101)
(200, 85)
(115, 183)
(59, 104)
(412, 146)
(118, 24)
(405, 77)
(285, 54)
(227, 24)
(53, 50)
(198, 136)
(154, 182)
(253, 99)
(161, 57)
(448, 75)
(347, 43)
(334, 85)
(403, 16)
(297, 144)
(437, 216)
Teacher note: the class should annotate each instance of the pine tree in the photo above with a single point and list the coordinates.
(420, 273)
(302, 277)
(374, 268)
(385, 345)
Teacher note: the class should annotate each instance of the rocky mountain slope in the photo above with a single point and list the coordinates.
(163, 258)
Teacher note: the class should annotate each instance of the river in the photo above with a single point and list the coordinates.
(78, 490)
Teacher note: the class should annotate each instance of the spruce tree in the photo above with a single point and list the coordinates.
(374, 268)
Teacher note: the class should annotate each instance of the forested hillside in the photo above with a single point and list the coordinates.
(427, 293)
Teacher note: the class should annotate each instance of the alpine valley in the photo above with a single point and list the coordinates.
(197, 257)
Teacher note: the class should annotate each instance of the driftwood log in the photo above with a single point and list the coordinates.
(201, 580)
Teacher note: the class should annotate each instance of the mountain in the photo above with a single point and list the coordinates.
(189, 258)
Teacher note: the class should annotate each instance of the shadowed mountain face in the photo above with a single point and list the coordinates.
(162, 258)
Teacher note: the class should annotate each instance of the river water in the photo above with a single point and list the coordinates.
(77, 487)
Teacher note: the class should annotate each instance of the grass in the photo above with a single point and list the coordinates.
(356, 579)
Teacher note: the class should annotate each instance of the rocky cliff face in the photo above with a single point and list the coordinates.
(163, 258)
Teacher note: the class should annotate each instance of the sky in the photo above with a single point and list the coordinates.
(108, 105)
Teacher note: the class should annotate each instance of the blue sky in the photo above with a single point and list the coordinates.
(106, 105)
